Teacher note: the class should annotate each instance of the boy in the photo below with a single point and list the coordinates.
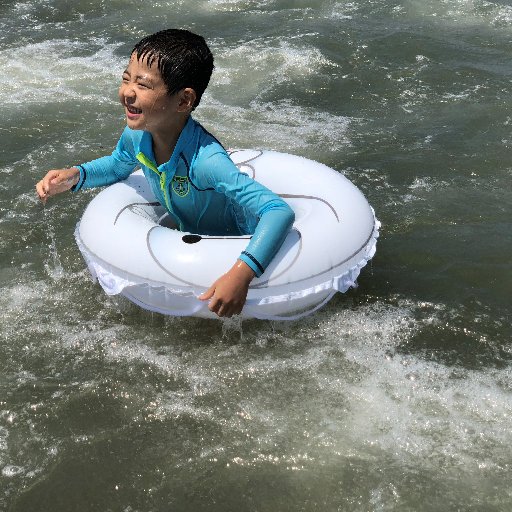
(163, 83)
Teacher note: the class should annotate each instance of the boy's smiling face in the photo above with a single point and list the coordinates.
(144, 96)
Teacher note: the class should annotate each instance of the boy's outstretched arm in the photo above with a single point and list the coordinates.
(227, 294)
(57, 181)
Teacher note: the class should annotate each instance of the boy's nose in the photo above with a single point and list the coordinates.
(128, 92)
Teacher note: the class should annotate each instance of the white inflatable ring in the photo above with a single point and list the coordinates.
(128, 246)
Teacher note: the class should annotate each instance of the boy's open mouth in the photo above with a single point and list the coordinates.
(133, 110)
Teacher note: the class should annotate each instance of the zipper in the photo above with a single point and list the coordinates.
(143, 159)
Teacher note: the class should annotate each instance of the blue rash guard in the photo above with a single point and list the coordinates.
(202, 188)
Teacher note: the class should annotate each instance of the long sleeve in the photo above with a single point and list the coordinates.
(275, 217)
(108, 169)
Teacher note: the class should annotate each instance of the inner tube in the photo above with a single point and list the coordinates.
(132, 249)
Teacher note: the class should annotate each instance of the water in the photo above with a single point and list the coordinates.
(395, 397)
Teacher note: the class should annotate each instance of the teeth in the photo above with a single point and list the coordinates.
(133, 110)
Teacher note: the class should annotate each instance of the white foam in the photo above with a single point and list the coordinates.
(278, 125)
(462, 12)
(229, 4)
(402, 404)
(471, 93)
(341, 376)
(255, 67)
(166, 364)
(10, 471)
(4, 434)
(421, 189)
(344, 10)
(234, 5)
(18, 298)
(57, 71)
(411, 407)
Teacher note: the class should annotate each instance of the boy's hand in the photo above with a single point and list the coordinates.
(57, 181)
(228, 293)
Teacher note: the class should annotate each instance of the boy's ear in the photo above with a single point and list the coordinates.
(187, 99)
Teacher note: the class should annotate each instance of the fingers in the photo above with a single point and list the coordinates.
(208, 294)
(228, 294)
(43, 187)
(40, 192)
(217, 305)
(55, 182)
(223, 309)
(49, 180)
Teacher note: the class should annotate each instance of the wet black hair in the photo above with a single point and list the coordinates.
(183, 59)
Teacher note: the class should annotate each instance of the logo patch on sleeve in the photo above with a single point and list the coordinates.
(180, 185)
